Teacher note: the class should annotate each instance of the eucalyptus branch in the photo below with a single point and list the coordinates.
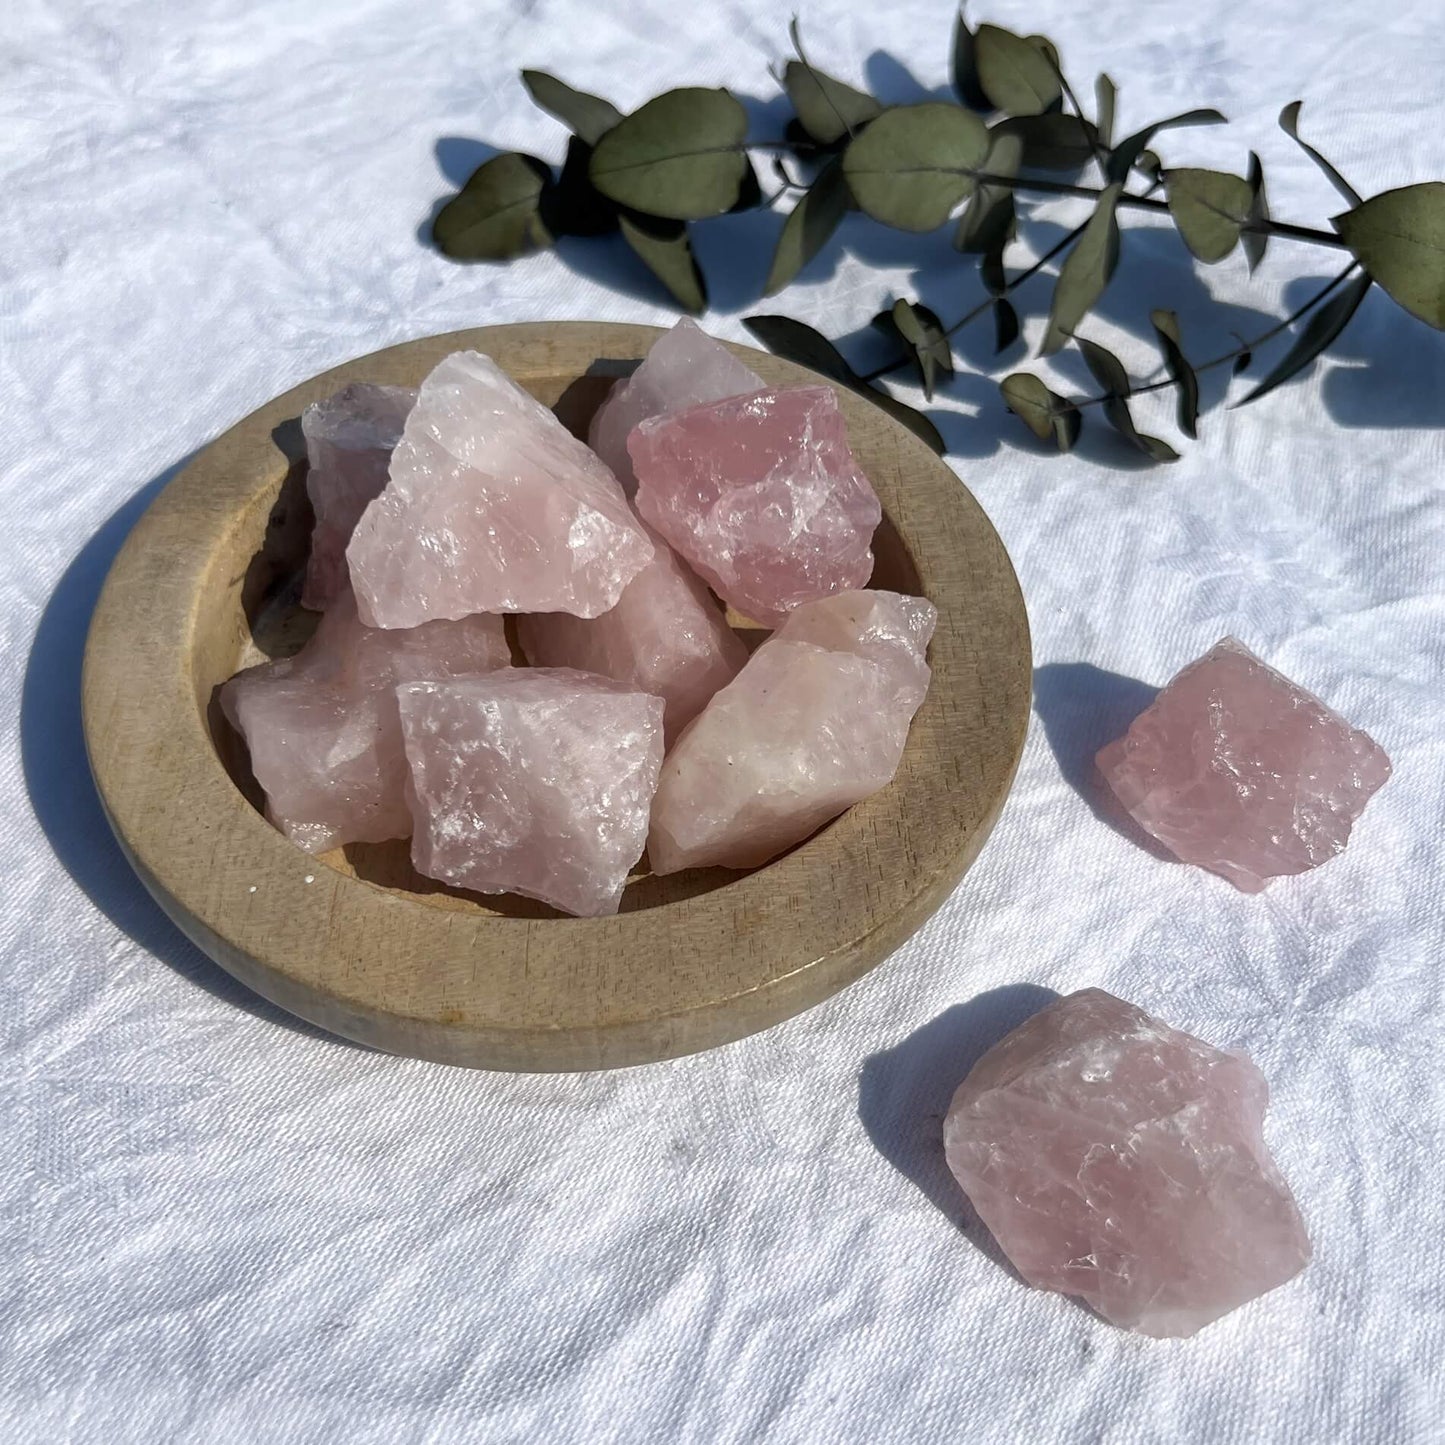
(684, 158)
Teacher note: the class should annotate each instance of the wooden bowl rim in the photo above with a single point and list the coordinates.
(401, 973)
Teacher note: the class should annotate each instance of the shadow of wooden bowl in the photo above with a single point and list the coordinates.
(356, 941)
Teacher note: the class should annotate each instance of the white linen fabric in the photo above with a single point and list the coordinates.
(217, 1224)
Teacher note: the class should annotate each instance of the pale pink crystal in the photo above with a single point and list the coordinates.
(323, 730)
(762, 496)
(1117, 1159)
(492, 506)
(667, 636)
(814, 723)
(1236, 768)
(684, 368)
(534, 781)
(349, 441)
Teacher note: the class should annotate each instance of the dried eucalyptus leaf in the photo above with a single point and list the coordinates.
(1105, 94)
(1109, 372)
(925, 334)
(1051, 142)
(497, 214)
(1117, 414)
(792, 339)
(574, 206)
(1107, 369)
(1319, 331)
(1289, 124)
(1127, 152)
(1254, 242)
(809, 225)
(1005, 325)
(588, 117)
(1399, 238)
(912, 165)
(1049, 416)
(988, 221)
(664, 248)
(1016, 74)
(1208, 208)
(680, 156)
(1166, 327)
(828, 109)
(1086, 270)
(965, 66)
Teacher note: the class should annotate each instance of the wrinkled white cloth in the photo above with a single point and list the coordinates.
(218, 1225)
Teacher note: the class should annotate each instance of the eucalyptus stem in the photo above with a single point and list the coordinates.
(1146, 202)
(1245, 346)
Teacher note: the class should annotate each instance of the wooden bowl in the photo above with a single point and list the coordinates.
(357, 942)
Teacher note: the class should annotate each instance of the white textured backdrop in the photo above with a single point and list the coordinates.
(218, 1225)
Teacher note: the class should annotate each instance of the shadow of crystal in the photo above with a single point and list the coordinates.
(904, 1093)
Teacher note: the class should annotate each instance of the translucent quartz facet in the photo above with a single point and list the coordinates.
(492, 506)
(1117, 1159)
(762, 496)
(323, 730)
(1237, 769)
(684, 368)
(816, 721)
(349, 441)
(667, 636)
(533, 780)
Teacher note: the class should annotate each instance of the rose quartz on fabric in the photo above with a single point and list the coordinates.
(762, 496)
(1236, 768)
(535, 781)
(492, 506)
(684, 367)
(1120, 1160)
(814, 723)
(667, 636)
(349, 441)
(323, 730)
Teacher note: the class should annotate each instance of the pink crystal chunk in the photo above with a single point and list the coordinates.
(1237, 769)
(534, 780)
(761, 495)
(684, 367)
(814, 723)
(349, 441)
(323, 730)
(667, 636)
(1117, 1159)
(492, 506)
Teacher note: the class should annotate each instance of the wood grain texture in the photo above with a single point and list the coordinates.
(356, 943)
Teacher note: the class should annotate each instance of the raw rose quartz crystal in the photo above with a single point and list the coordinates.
(762, 496)
(815, 722)
(667, 636)
(349, 441)
(1237, 769)
(684, 368)
(323, 729)
(533, 780)
(492, 506)
(1117, 1159)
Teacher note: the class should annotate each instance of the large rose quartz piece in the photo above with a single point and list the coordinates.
(323, 729)
(534, 780)
(762, 496)
(492, 506)
(814, 723)
(1117, 1159)
(1239, 770)
(684, 368)
(667, 636)
(349, 441)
